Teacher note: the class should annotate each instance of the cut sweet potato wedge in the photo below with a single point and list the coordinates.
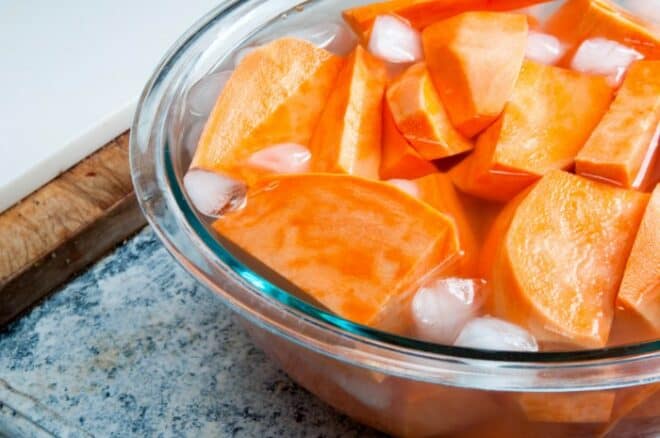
(578, 20)
(438, 191)
(275, 95)
(628, 401)
(474, 76)
(422, 13)
(353, 244)
(399, 159)
(570, 407)
(348, 136)
(563, 256)
(627, 136)
(640, 287)
(421, 117)
(547, 121)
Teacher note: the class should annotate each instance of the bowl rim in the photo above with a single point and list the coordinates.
(186, 237)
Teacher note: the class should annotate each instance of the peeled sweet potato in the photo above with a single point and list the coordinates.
(627, 136)
(422, 13)
(562, 258)
(352, 244)
(438, 191)
(640, 287)
(274, 96)
(629, 401)
(421, 117)
(570, 407)
(578, 20)
(348, 136)
(547, 121)
(474, 60)
(399, 159)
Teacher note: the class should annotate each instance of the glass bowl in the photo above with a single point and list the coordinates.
(398, 385)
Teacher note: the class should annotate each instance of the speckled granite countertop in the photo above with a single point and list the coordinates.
(135, 347)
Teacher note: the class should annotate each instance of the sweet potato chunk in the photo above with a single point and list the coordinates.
(549, 118)
(562, 258)
(474, 75)
(399, 159)
(420, 116)
(438, 191)
(422, 13)
(276, 95)
(353, 244)
(578, 20)
(640, 288)
(570, 407)
(628, 402)
(627, 136)
(348, 136)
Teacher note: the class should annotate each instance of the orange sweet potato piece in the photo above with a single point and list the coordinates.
(578, 20)
(352, 244)
(348, 136)
(547, 121)
(421, 117)
(422, 13)
(474, 75)
(629, 328)
(275, 95)
(563, 256)
(629, 400)
(569, 407)
(399, 159)
(438, 191)
(640, 287)
(627, 136)
(480, 175)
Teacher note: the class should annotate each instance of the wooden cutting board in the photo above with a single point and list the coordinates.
(64, 226)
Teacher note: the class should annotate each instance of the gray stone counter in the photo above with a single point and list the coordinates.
(135, 347)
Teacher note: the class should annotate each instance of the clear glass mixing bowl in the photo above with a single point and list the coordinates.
(398, 385)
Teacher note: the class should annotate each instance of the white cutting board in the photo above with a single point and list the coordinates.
(71, 72)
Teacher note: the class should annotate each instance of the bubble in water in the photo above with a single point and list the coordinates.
(282, 158)
(441, 309)
(212, 193)
(332, 36)
(393, 40)
(204, 93)
(605, 57)
(405, 186)
(490, 333)
(544, 48)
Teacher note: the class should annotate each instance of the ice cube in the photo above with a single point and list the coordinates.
(332, 36)
(405, 186)
(488, 333)
(541, 11)
(282, 158)
(544, 48)
(204, 93)
(605, 57)
(212, 193)
(191, 136)
(441, 308)
(366, 387)
(393, 40)
(647, 9)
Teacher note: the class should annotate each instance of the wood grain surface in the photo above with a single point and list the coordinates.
(65, 226)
